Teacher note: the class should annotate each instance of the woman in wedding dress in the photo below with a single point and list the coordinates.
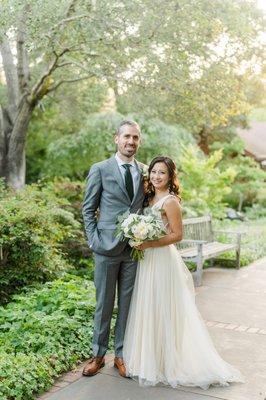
(166, 340)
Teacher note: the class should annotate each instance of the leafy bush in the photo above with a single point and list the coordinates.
(73, 155)
(204, 185)
(33, 228)
(250, 184)
(159, 138)
(57, 116)
(257, 211)
(43, 333)
(75, 248)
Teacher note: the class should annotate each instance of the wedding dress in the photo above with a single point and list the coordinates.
(166, 340)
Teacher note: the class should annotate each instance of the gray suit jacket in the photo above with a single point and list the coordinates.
(106, 196)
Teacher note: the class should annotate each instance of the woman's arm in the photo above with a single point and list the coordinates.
(173, 214)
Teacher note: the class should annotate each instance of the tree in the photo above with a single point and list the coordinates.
(72, 155)
(170, 59)
(205, 65)
(45, 44)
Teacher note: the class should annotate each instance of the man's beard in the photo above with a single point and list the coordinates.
(129, 153)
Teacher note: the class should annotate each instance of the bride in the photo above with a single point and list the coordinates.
(166, 340)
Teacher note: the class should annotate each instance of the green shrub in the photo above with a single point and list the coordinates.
(257, 211)
(204, 186)
(42, 333)
(159, 138)
(75, 248)
(33, 230)
(59, 116)
(249, 186)
(72, 155)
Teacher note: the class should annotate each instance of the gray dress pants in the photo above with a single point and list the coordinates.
(111, 272)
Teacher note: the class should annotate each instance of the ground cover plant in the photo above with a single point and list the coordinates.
(43, 332)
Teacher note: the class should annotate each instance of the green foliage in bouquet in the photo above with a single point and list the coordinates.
(204, 185)
(44, 333)
(138, 228)
(33, 229)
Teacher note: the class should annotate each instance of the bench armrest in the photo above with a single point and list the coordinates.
(237, 235)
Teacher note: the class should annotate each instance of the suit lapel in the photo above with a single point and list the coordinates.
(138, 181)
(114, 169)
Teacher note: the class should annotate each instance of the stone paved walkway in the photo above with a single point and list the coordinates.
(233, 305)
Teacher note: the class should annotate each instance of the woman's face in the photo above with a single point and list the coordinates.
(159, 176)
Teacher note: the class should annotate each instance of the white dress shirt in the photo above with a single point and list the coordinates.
(133, 169)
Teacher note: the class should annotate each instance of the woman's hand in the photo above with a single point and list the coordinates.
(144, 245)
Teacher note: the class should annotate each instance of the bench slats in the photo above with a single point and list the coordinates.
(200, 228)
(197, 220)
(209, 250)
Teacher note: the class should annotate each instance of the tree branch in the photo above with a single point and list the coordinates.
(48, 72)
(53, 88)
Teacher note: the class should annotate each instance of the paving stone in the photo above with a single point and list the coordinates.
(252, 330)
(226, 296)
(220, 325)
(61, 383)
(211, 323)
(231, 326)
(72, 376)
(242, 328)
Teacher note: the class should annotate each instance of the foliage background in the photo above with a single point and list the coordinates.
(71, 71)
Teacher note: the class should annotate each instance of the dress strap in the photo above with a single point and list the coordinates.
(160, 203)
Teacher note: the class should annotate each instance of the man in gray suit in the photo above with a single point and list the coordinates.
(114, 187)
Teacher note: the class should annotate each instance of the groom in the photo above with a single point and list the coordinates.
(114, 187)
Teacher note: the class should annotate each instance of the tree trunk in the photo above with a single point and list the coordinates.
(12, 146)
(2, 145)
(15, 159)
(203, 141)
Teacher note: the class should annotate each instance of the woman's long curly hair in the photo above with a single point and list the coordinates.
(173, 183)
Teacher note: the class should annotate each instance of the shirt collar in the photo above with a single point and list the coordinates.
(121, 162)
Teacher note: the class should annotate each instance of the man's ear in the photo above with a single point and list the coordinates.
(115, 138)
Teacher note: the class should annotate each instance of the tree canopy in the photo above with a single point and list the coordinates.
(188, 64)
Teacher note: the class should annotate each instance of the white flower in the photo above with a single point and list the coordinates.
(134, 243)
(140, 230)
(128, 220)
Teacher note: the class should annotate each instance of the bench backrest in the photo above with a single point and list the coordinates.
(198, 228)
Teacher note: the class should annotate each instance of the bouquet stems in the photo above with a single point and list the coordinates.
(136, 254)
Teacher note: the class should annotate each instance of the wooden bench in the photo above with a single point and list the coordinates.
(200, 244)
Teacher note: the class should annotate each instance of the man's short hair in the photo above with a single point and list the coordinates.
(129, 123)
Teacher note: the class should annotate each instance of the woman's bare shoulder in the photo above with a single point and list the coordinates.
(172, 201)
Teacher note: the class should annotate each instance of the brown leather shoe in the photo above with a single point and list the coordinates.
(119, 364)
(93, 366)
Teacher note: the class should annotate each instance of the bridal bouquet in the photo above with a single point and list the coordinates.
(137, 228)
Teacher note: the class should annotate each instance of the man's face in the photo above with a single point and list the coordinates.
(128, 140)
